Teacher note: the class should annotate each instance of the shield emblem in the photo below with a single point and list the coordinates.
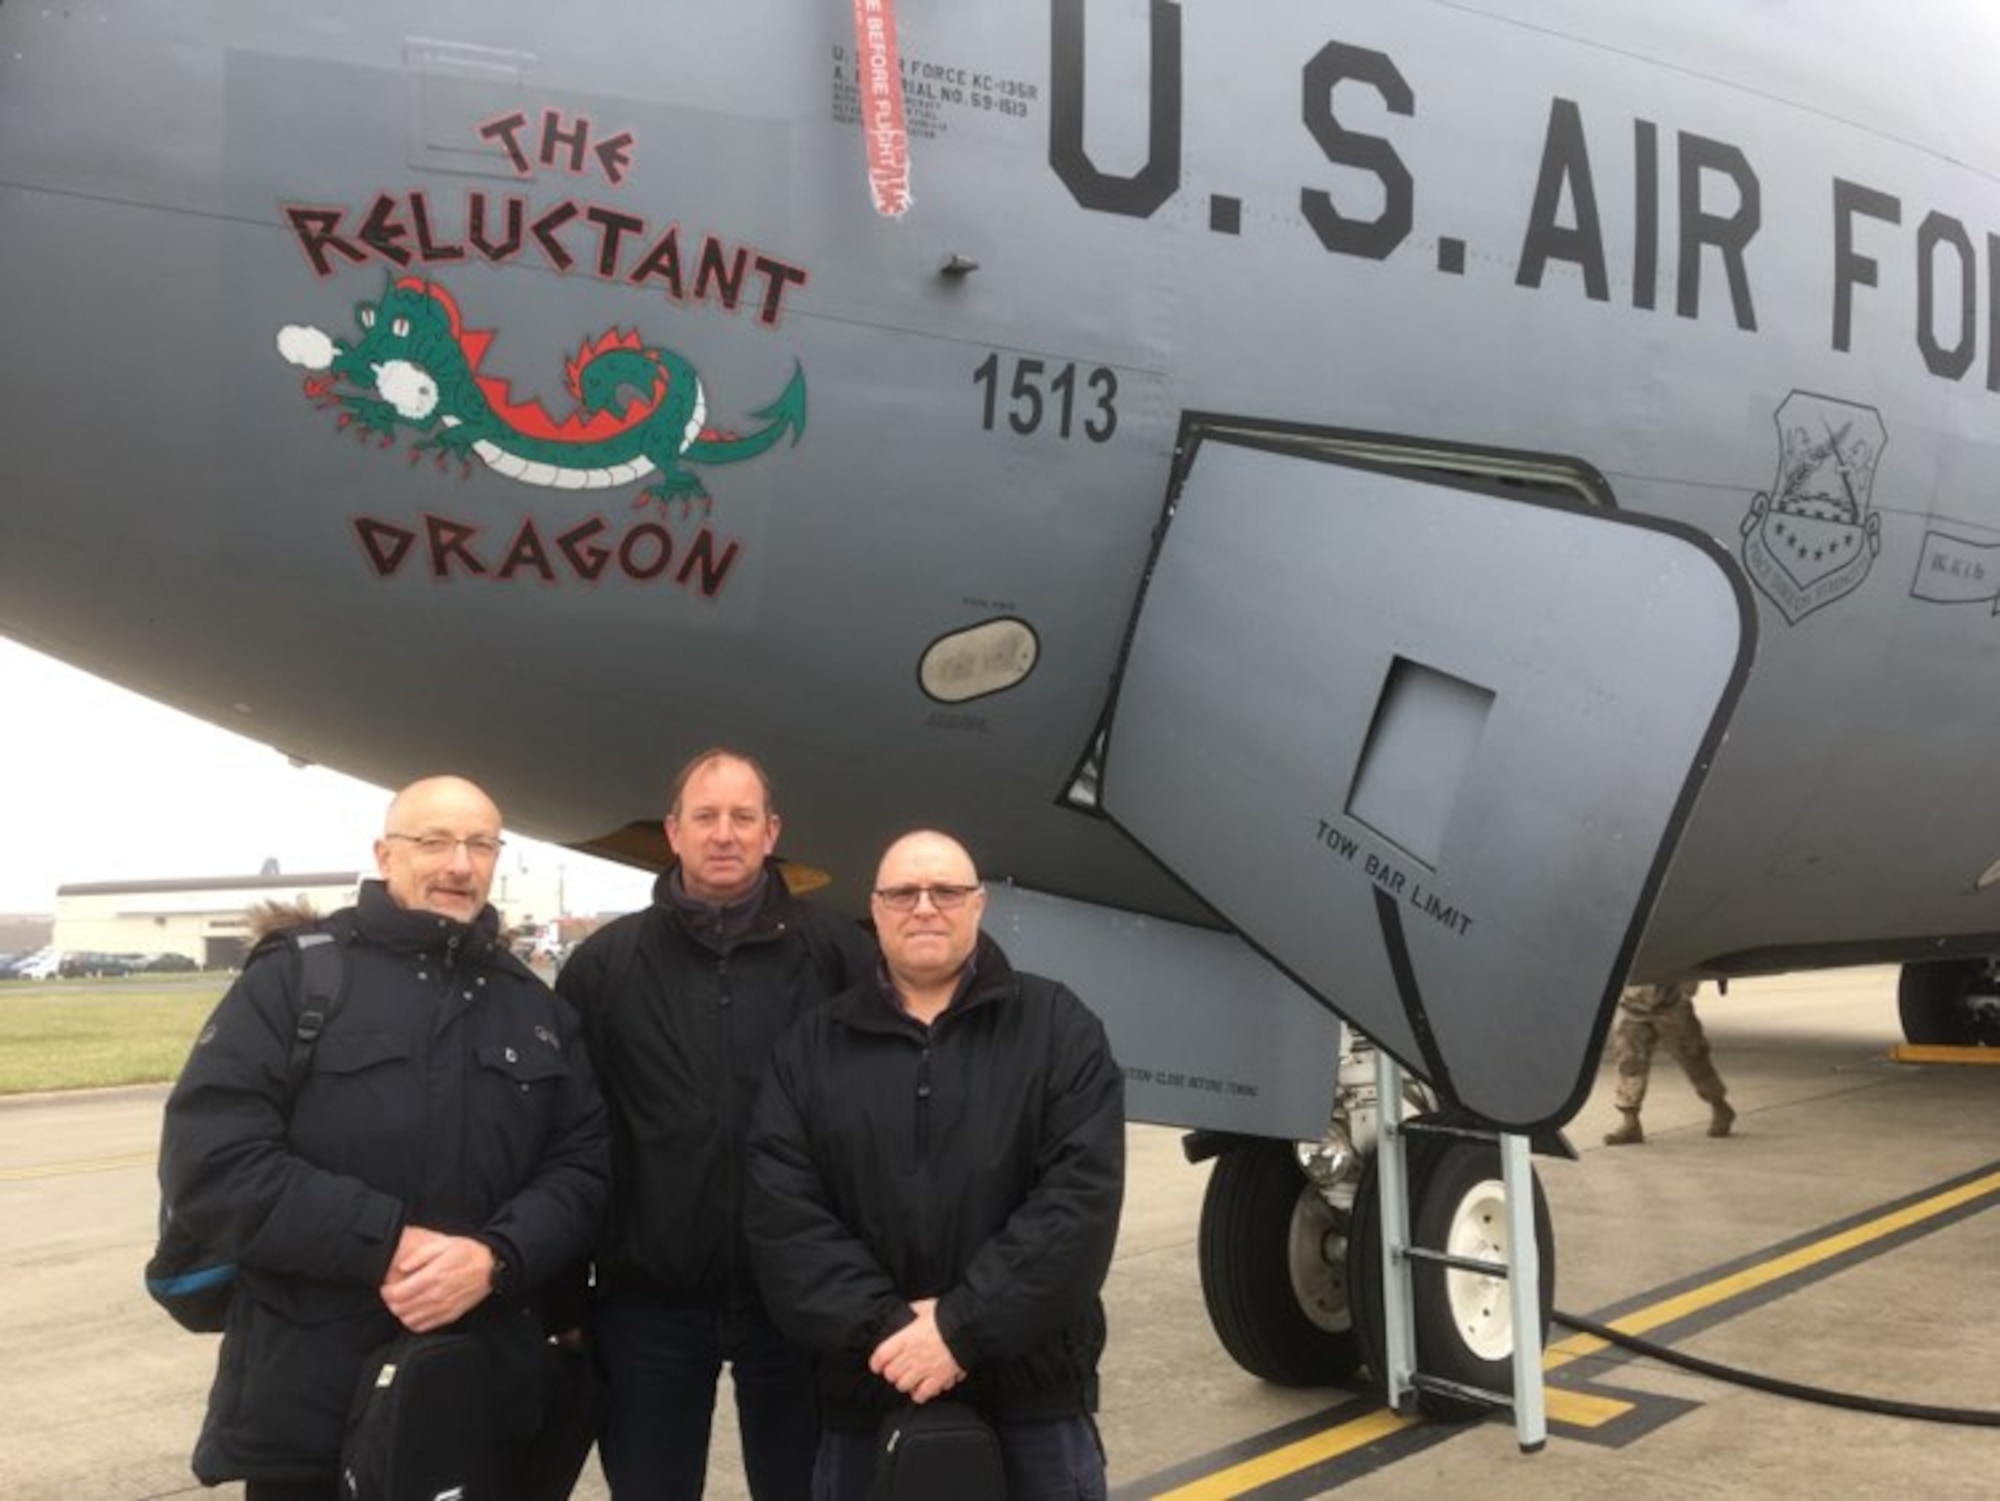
(1811, 538)
(1809, 548)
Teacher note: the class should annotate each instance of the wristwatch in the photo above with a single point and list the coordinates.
(503, 1274)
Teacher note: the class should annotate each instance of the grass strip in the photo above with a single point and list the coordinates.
(86, 1034)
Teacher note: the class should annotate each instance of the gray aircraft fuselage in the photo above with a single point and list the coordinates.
(548, 393)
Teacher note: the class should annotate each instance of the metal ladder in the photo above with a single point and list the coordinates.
(1522, 1268)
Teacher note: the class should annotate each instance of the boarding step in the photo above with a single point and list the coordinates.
(1402, 1381)
(1464, 1393)
(1456, 1263)
(1450, 1131)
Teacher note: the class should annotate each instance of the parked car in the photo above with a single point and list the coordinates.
(540, 943)
(87, 963)
(40, 966)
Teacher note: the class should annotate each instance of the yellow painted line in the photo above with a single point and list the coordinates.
(1931, 1052)
(66, 1169)
(1583, 1409)
(1240, 1479)
(1578, 1409)
(1562, 1352)
(1751, 1278)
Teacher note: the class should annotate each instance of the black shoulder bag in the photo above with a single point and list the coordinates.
(422, 1424)
(938, 1449)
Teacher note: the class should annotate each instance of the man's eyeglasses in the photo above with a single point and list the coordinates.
(905, 898)
(438, 846)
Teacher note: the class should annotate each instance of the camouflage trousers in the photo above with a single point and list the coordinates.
(1648, 1016)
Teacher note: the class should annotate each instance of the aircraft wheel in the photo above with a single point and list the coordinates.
(1364, 1274)
(1940, 1002)
(1465, 1321)
(1274, 1269)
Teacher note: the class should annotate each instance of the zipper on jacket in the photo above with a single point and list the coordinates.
(448, 978)
(726, 1056)
(924, 1106)
(926, 1217)
(451, 1000)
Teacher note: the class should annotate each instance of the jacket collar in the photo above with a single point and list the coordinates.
(378, 919)
(761, 916)
(872, 1006)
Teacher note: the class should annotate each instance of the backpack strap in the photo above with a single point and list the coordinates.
(323, 984)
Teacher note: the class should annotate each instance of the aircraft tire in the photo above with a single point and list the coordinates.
(1364, 1275)
(1464, 1321)
(1930, 999)
(1274, 1269)
(1364, 1256)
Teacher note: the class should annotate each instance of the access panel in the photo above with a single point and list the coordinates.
(1210, 1034)
(1426, 745)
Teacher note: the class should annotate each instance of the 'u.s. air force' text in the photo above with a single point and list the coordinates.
(1897, 270)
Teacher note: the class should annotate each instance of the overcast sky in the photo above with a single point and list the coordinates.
(99, 784)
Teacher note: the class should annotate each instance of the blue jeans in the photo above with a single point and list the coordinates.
(662, 1365)
(1058, 1459)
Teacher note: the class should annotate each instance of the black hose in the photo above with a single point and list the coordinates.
(1888, 1407)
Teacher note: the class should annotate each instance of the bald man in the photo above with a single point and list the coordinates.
(441, 1154)
(937, 1163)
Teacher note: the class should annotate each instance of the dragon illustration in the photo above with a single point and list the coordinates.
(417, 364)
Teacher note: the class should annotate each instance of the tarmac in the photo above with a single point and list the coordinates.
(1845, 1236)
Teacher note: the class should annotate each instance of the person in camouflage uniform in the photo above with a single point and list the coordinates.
(1647, 1016)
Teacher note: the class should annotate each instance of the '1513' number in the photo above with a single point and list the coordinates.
(1034, 393)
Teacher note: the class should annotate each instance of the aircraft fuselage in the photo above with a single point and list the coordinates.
(813, 380)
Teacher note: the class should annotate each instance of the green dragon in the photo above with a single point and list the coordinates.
(417, 365)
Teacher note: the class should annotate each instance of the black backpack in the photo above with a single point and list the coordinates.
(192, 1281)
(940, 1449)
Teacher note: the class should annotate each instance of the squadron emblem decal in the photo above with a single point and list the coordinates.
(632, 412)
(1812, 539)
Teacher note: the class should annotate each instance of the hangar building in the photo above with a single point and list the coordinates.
(206, 919)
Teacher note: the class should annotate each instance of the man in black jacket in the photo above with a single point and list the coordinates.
(937, 1164)
(444, 1155)
(681, 1003)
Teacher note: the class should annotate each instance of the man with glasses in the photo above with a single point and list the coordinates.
(681, 1003)
(436, 1154)
(937, 1164)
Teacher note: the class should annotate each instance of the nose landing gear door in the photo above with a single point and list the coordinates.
(1427, 745)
